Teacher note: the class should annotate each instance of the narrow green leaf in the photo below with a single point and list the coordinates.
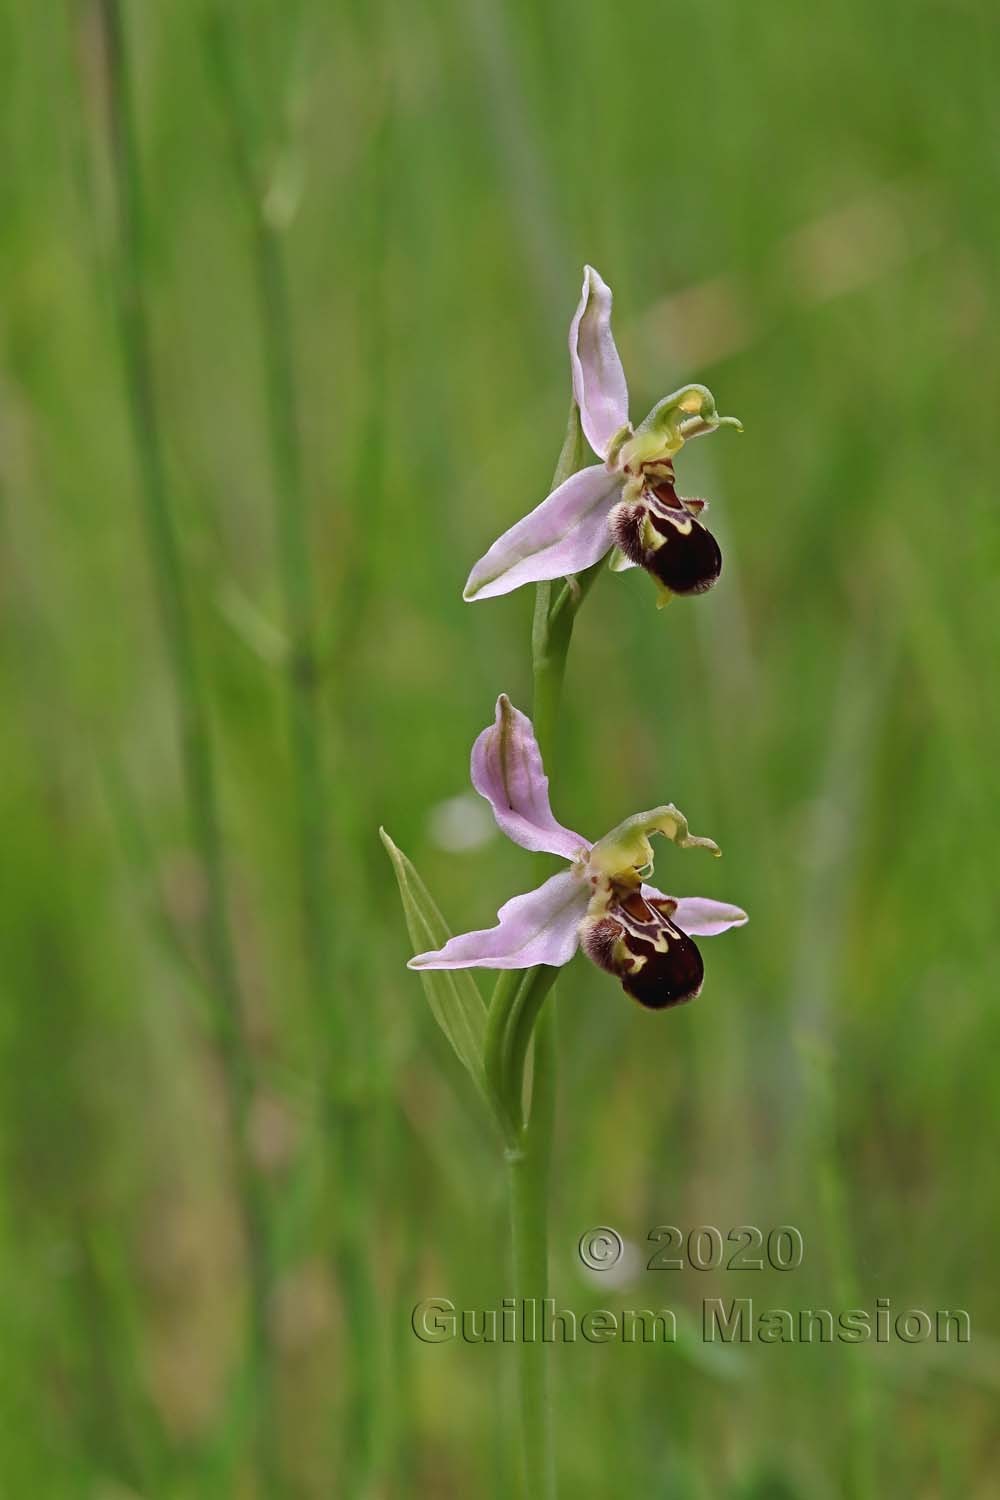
(453, 995)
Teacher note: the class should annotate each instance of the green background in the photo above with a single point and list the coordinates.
(797, 206)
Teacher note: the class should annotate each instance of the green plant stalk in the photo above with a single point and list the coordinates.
(345, 1119)
(861, 1472)
(528, 1178)
(196, 750)
(529, 1160)
(529, 1169)
(295, 573)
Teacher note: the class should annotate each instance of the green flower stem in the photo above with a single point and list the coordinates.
(197, 757)
(549, 645)
(502, 1000)
(529, 1166)
(528, 1170)
(526, 1015)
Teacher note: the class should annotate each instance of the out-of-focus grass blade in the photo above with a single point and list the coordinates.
(452, 994)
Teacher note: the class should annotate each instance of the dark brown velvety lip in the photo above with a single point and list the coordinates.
(671, 971)
(689, 559)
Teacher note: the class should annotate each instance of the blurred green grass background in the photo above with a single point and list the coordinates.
(798, 207)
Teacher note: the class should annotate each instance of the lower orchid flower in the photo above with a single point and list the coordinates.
(629, 500)
(600, 903)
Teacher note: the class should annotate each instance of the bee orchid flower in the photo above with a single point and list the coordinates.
(600, 903)
(629, 500)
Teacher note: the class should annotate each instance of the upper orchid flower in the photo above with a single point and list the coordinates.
(600, 903)
(628, 499)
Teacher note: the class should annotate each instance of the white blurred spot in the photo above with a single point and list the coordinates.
(623, 1273)
(460, 823)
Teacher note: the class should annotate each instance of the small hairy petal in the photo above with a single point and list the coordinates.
(507, 770)
(540, 927)
(627, 524)
(565, 534)
(598, 378)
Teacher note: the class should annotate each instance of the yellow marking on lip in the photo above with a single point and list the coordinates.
(628, 961)
(682, 525)
(651, 538)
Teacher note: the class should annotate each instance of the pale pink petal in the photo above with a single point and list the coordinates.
(598, 378)
(507, 770)
(700, 917)
(565, 534)
(697, 915)
(540, 927)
